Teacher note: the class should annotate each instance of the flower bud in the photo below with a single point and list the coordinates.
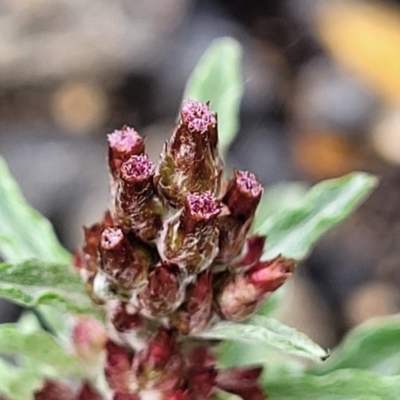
(189, 162)
(163, 293)
(241, 295)
(254, 250)
(91, 245)
(118, 368)
(160, 365)
(126, 396)
(201, 372)
(242, 382)
(88, 393)
(122, 144)
(270, 275)
(191, 240)
(128, 263)
(89, 339)
(87, 260)
(242, 197)
(195, 313)
(124, 319)
(177, 395)
(52, 390)
(136, 206)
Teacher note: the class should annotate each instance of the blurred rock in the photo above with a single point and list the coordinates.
(374, 299)
(307, 311)
(327, 96)
(385, 135)
(56, 39)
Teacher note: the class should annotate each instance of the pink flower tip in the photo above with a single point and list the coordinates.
(137, 169)
(111, 238)
(124, 140)
(202, 206)
(248, 183)
(197, 116)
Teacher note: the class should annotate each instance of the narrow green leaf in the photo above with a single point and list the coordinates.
(18, 383)
(40, 348)
(268, 332)
(218, 78)
(339, 385)
(294, 231)
(374, 346)
(33, 283)
(24, 233)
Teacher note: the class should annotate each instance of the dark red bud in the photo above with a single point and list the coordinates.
(136, 205)
(241, 295)
(118, 367)
(243, 194)
(242, 382)
(254, 250)
(177, 395)
(52, 390)
(195, 313)
(200, 356)
(114, 250)
(160, 365)
(123, 144)
(126, 396)
(162, 295)
(232, 238)
(126, 262)
(201, 381)
(270, 275)
(88, 393)
(126, 319)
(91, 244)
(242, 197)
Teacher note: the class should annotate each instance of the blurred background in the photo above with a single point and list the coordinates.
(322, 98)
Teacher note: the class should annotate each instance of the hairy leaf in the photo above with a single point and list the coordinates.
(217, 78)
(294, 231)
(278, 198)
(267, 332)
(39, 348)
(24, 233)
(347, 384)
(32, 283)
(18, 383)
(374, 346)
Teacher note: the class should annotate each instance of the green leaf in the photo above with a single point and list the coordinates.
(294, 231)
(277, 199)
(40, 348)
(24, 233)
(267, 332)
(339, 385)
(374, 346)
(218, 78)
(32, 283)
(18, 383)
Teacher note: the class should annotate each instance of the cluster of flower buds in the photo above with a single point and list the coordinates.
(173, 256)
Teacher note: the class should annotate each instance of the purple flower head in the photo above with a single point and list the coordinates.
(137, 169)
(197, 116)
(121, 145)
(243, 194)
(202, 206)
